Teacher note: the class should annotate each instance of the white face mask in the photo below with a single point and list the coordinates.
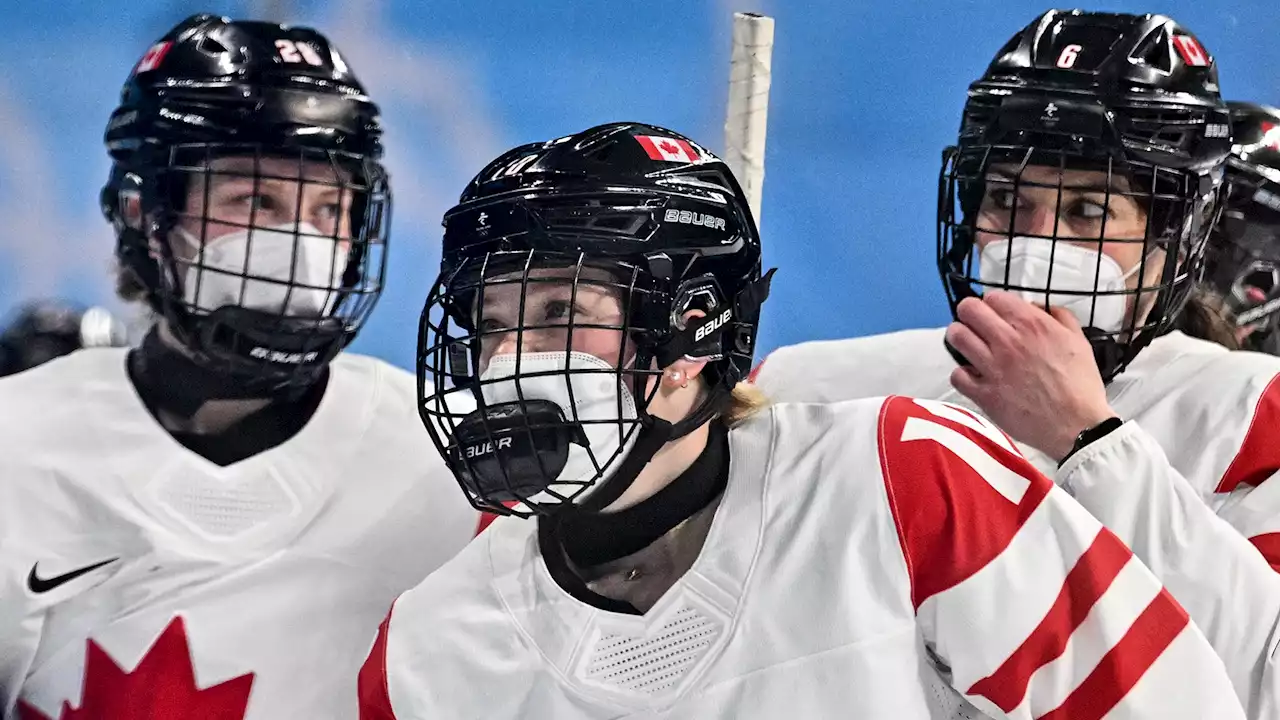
(279, 284)
(1079, 271)
(597, 395)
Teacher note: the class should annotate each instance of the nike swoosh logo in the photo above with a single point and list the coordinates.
(40, 585)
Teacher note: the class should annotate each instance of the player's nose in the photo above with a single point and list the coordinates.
(528, 341)
(1036, 220)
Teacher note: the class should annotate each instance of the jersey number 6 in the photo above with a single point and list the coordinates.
(1068, 57)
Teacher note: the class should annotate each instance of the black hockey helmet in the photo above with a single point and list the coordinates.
(46, 329)
(1131, 103)
(1244, 252)
(272, 114)
(627, 211)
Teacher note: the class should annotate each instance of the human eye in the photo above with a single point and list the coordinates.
(246, 202)
(557, 311)
(490, 325)
(1002, 198)
(1089, 209)
(259, 201)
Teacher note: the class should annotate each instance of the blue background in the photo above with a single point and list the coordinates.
(865, 96)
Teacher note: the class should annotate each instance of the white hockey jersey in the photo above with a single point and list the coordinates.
(857, 547)
(1202, 436)
(139, 580)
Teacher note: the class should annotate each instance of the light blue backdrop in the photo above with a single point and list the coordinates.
(865, 96)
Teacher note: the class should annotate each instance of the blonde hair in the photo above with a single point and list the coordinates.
(746, 400)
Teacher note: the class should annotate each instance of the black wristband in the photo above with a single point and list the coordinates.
(1088, 435)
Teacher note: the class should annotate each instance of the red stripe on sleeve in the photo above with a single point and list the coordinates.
(1085, 584)
(755, 371)
(1126, 663)
(951, 521)
(375, 698)
(1269, 545)
(1259, 454)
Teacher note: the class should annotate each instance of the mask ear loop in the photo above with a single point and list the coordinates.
(1142, 262)
(1140, 288)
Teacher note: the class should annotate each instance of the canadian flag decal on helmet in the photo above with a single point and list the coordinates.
(1271, 135)
(1191, 51)
(151, 60)
(668, 149)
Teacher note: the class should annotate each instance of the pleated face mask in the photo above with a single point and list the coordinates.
(1087, 283)
(291, 270)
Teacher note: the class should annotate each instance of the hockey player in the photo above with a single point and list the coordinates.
(43, 330)
(696, 555)
(214, 524)
(1244, 250)
(1086, 179)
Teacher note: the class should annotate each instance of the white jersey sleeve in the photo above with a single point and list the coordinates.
(1033, 608)
(1125, 480)
(1241, 401)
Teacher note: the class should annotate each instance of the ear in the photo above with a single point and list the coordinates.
(679, 373)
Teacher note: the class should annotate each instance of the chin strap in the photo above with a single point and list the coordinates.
(704, 337)
(648, 442)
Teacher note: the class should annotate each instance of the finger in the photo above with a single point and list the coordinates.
(985, 322)
(974, 348)
(1066, 318)
(968, 383)
(1015, 309)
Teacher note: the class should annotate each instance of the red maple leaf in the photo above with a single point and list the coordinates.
(669, 147)
(162, 687)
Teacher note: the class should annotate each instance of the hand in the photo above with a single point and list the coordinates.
(1032, 372)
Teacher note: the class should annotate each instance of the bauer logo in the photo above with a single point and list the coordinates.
(1217, 130)
(712, 326)
(283, 358)
(693, 218)
(475, 451)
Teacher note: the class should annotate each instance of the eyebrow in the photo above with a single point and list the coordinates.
(1118, 185)
(225, 179)
(281, 169)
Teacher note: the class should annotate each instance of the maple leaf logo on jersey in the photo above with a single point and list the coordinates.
(162, 687)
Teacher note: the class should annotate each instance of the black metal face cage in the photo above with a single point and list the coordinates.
(980, 191)
(528, 444)
(1244, 262)
(267, 328)
(507, 456)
